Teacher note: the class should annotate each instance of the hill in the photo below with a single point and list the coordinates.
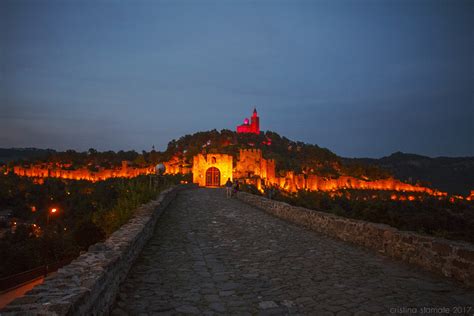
(289, 155)
(451, 174)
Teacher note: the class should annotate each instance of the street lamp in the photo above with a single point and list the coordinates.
(51, 211)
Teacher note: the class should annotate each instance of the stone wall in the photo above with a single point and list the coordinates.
(45, 170)
(445, 257)
(89, 284)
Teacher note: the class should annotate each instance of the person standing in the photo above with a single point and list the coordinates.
(271, 192)
(236, 187)
(228, 188)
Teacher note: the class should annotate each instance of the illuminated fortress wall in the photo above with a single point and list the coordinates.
(315, 183)
(57, 171)
(251, 167)
(176, 166)
(251, 163)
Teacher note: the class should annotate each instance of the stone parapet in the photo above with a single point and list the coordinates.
(448, 258)
(89, 284)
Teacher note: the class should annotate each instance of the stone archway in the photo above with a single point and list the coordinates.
(213, 177)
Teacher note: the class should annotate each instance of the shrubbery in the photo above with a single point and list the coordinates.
(87, 213)
(426, 214)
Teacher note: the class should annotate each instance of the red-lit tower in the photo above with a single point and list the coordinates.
(253, 126)
(255, 122)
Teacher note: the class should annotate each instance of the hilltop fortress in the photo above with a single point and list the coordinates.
(213, 170)
(251, 167)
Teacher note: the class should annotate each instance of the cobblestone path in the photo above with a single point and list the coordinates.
(212, 255)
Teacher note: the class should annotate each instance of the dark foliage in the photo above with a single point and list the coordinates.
(453, 175)
(16, 154)
(426, 214)
(87, 213)
(88, 233)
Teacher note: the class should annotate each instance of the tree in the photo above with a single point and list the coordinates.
(87, 233)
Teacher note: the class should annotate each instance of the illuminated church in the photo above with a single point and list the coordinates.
(250, 127)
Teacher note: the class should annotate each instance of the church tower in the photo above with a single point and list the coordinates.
(250, 127)
(255, 122)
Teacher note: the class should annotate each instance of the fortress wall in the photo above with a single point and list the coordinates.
(90, 283)
(448, 258)
(42, 171)
(300, 182)
(263, 169)
(316, 183)
(250, 160)
(271, 170)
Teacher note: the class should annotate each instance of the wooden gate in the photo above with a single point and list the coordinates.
(213, 177)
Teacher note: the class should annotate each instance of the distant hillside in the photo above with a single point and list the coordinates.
(14, 154)
(454, 175)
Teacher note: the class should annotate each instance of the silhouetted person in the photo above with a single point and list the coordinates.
(236, 187)
(271, 192)
(228, 188)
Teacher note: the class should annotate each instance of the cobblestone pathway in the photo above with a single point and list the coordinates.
(214, 255)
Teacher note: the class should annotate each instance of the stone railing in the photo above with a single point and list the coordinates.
(89, 284)
(441, 256)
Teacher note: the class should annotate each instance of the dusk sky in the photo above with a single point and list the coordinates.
(362, 78)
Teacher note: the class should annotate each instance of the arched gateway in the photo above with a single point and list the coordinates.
(213, 177)
(212, 170)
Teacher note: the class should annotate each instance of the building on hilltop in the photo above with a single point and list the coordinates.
(250, 127)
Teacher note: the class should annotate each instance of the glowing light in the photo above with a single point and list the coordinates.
(54, 210)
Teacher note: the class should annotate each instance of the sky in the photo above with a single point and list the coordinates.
(362, 78)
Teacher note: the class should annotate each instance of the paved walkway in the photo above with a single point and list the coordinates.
(213, 255)
(7, 297)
